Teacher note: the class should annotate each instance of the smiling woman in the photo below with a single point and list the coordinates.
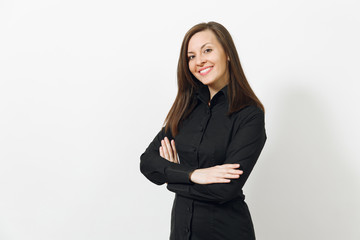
(208, 61)
(212, 138)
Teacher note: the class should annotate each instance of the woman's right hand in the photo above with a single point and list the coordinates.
(217, 174)
(168, 151)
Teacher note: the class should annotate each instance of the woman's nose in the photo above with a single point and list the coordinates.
(200, 60)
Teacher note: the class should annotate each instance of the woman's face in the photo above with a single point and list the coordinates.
(207, 59)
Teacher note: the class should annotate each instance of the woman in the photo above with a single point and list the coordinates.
(212, 138)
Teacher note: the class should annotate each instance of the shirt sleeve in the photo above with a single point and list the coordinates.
(244, 148)
(159, 170)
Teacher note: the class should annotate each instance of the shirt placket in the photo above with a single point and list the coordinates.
(198, 136)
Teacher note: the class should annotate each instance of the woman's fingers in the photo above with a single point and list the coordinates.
(222, 180)
(225, 173)
(176, 160)
(231, 176)
(217, 174)
(230, 173)
(169, 149)
(165, 150)
(233, 171)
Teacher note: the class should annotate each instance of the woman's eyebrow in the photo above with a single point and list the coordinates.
(202, 46)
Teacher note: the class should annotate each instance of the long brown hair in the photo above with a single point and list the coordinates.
(240, 93)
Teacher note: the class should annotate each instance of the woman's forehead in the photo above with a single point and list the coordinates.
(201, 39)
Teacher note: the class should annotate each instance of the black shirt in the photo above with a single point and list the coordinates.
(206, 138)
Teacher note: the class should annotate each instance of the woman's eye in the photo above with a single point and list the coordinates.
(191, 57)
(207, 50)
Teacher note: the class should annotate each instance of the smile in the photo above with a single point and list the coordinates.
(205, 71)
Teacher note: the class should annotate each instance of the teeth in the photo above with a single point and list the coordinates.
(205, 70)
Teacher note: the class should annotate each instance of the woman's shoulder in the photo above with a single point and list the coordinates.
(249, 113)
(251, 109)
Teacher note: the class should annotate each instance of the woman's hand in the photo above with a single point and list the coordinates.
(168, 150)
(217, 174)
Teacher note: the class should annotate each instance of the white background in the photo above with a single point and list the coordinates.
(86, 85)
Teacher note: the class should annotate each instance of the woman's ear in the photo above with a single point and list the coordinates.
(228, 58)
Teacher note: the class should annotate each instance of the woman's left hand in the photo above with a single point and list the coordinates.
(168, 150)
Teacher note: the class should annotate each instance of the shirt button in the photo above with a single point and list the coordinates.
(189, 209)
(186, 230)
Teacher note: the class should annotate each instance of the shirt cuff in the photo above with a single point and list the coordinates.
(178, 174)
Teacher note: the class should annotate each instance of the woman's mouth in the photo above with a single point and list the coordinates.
(205, 70)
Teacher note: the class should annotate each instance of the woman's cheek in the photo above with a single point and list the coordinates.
(191, 67)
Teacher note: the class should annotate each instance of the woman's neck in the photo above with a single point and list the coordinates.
(213, 89)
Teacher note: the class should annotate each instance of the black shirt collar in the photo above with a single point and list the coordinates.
(203, 93)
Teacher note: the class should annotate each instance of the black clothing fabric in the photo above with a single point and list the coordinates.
(208, 137)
